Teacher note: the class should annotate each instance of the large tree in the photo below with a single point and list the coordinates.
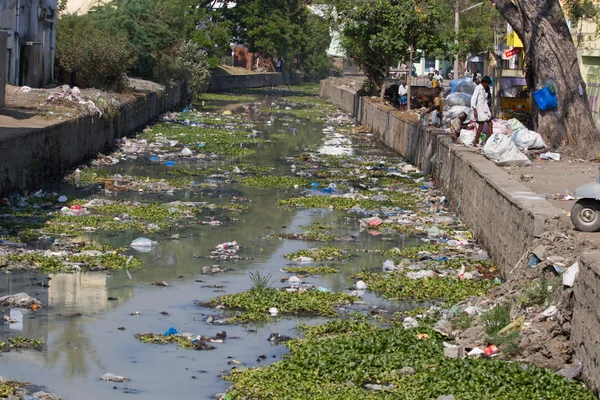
(551, 54)
(379, 33)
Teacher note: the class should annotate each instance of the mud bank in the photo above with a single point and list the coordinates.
(32, 157)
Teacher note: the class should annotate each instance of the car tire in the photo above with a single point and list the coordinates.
(585, 215)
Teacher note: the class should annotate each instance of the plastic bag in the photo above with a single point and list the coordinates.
(544, 99)
(501, 149)
(526, 139)
(459, 99)
(462, 85)
(453, 112)
(143, 245)
(467, 137)
(515, 124)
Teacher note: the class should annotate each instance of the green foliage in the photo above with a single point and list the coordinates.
(496, 319)
(398, 286)
(20, 342)
(287, 28)
(260, 282)
(398, 199)
(377, 34)
(536, 293)
(343, 326)
(256, 303)
(185, 63)
(337, 367)
(413, 251)
(312, 270)
(183, 342)
(462, 322)
(326, 253)
(109, 261)
(98, 55)
(218, 141)
(274, 182)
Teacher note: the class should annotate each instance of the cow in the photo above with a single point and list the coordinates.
(422, 96)
(391, 94)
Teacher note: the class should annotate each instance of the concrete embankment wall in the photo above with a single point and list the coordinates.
(223, 83)
(503, 214)
(28, 159)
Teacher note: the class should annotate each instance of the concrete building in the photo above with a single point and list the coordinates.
(31, 29)
(587, 43)
(81, 6)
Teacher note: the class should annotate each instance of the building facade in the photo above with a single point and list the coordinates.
(31, 45)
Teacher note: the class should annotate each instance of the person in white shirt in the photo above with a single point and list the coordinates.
(481, 110)
(437, 79)
(403, 95)
(431, 70)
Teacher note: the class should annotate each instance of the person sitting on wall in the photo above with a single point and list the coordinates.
(457, 125)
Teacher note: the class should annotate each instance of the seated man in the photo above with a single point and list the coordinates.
(457, 125)
(438, 103)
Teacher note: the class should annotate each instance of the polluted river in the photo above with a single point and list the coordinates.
(193, 251)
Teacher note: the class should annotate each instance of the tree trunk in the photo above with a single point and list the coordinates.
(551, 54)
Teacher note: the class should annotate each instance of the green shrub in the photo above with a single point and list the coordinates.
(95, 55)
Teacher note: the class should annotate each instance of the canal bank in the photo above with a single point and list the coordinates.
(482, 194)
(504, 215)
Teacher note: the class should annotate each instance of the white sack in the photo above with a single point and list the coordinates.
(526, 139)
(501, 149)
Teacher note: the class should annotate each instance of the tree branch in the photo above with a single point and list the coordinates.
(511, 13)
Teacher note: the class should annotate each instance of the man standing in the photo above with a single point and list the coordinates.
(280, 64)
(481, 110)
(437, 79)
(403, 95)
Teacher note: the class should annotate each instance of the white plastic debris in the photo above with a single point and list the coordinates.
(550, 312)
(410, 322)
(475, 352)
(273, 311)
(389, 266)
(26, 89)
(304, 260)
(143, 245)
(113, 378)
(63, 199)
(570, 275)
(361, 285)
(424, 273)
(186, 152)
(19, 300)
(294, 280)
(550, 156)
(472, 310)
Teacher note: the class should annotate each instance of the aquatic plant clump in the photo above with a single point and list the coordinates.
(326, 253)
(312, 270)
(212, 140)
(109, 261)
(183, 342)
(274, 182)
(407, 364)
(398, 286)
(400, 200)
(20, 342)
(256, 303)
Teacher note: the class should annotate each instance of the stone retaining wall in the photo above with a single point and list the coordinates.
(29, 159)
(223, 83)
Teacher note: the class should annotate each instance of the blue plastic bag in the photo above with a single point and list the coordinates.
(171, 331)
(544, 99)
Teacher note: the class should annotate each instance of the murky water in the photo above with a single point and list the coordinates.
(81, 348)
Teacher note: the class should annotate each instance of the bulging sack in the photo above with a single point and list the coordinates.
(459, 99)
(502, 150)
(525, 139)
